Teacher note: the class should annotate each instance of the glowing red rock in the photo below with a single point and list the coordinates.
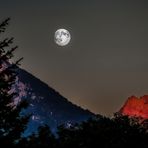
(135, 106)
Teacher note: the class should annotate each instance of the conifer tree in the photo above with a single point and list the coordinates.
(12, 122)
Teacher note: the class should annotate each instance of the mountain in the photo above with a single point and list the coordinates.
(46, 105)
(136, 107)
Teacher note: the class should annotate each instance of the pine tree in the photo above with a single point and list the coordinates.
(42, 139)
(12, 122)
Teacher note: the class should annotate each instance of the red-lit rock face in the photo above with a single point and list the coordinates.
(137, 107)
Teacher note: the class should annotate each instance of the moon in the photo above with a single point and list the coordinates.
(62, 37)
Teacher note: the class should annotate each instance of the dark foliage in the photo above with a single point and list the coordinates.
(43, 139)
(12, 123)
(117, 132)
(120, 131)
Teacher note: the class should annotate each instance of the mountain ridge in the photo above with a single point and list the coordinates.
(46, 105)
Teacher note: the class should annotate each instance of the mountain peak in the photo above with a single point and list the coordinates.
(136, 107)
(46, 105)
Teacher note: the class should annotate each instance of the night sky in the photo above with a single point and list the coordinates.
(107, 58)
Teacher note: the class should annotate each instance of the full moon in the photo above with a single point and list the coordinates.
(62, 37)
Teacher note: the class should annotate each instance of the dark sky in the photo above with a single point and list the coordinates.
(107, 58)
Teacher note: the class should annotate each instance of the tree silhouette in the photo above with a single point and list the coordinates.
(119, 131)
(42, 139)
(12, 122)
